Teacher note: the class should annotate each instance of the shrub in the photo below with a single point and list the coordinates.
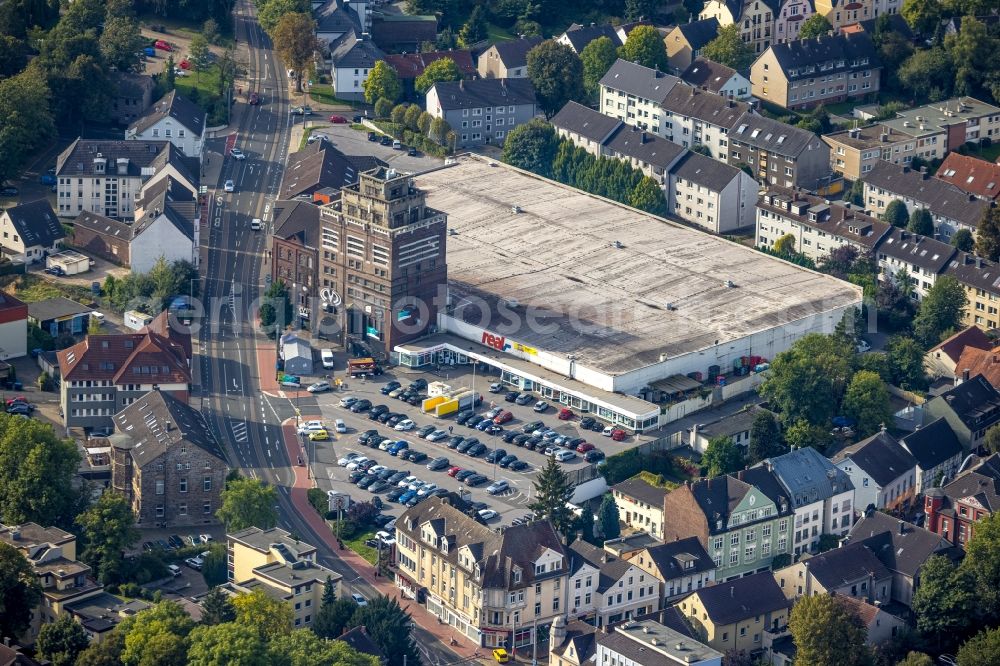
(383, 108)
(318, 499)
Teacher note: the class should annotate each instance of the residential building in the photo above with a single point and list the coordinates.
(359, 639)
(902, 547)
(978, 277)
(680, 567)
(841, 12)
(976, 361)
(102, 613)
(105, 177)
(591, 130)
(881, 625)
(383, 257)
(174, 118)
(735, 615)
(951, 208)
(483, 111)
(854, 152)
(410, 66)
(884, 473)
(954, 24)
(806, 73)
(399, 32)
(937, 451)
(494, 588)
(295, 250)
(735, 426)
(319, 166)
(283, 567)
(964, 119)
(59, 315)
(717, 78)
(818, 227)
(134, 95)
(572, 643)
(943, 358)
(972, 175)
(577, 36)
(31, 232)
(640, 505)
(904, 255)
(685, 41)
(106, 373)
(352, 56)
(167, 462)
(738, 524)
(605, 589)
(779, 154)
(953, 509)
(635, 95)
(851, 571)
(11, 654)
(335, 18)
(507, 59)
(789, 19)
(649, 642)
(13, 327)
(971, 408)
(821, 495)
(691, 118)
(754, 17)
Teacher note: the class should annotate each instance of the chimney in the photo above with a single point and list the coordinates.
(15, 535)
(965, 374)
(461, 84)
(168, 426)
(906, 169)
(902, 527)
(923, 172)
(642, 137)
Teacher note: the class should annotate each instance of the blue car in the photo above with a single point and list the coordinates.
(398, 446)
(483, 425)
(407, 496)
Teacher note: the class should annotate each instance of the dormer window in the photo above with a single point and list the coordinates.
(516, 574)
(539, 569)
(444, 544)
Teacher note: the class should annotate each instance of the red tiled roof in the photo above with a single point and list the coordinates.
(985, 362)
(956, 344)
(971, 175)
(412, 65)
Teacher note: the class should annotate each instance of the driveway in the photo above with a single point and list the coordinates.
(355, 142)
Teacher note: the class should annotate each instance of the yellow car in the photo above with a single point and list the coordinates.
(319, 435)
(501, 656)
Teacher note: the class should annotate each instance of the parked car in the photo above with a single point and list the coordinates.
(464, 474)
(319, 436)
(358, 599)
(495, 455)
(385, 140)
(391, 386)
(518, 466)
(496, 387)
(541, 406)
(497, 487)
(404, 425)
(587, 422)
(437, 464)
(348, 400)
(361, 406)
(523, 399)
(564, 455)
(229, 186)
(619, 435)
(344, 461)
(452, 471)
(9, 191)
(475, 420)
(476, 450)
(320, 387)
(532, 427)
(503, 417)
(437, 435)
(565, 414)
(488, 514)
(506, 461)
(594, 455)
(394, 494)
(583, 447)
(476, 480)
(512, 396)
(338, 120)
(372, 136)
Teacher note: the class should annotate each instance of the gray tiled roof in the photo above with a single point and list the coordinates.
(579, 119)
(611, 568)
(982, 482)
(927, 253)
(705, 171)
(837, 220)
(699, 33)
(708, 74)
(640, 81)
(581, 35)
(933, 444)
(171, 199)
(880, 456)
(773, 135)
(838, 47)
(514, 52)
(976, 271)
(35, 223)
(298, 219)
(54, 308)
(808, 476)
(484, 92)
(940, 197)
(173, 106)
(349, 50)
(742, 598)
(321, 165)
(334, 17)
(637, 488)
(842, 565)
(670, 557)
(158, 420)
(685, 100)
(975, 402)
(78, 158)
(630, 141)
(899, 545)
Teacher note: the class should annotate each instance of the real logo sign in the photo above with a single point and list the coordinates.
(498, 342)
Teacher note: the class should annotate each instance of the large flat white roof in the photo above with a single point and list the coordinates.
(604, 304)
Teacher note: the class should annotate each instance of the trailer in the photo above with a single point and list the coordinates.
(446, 407)
(136, 320)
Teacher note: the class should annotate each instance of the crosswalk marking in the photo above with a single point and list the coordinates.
(239, 429)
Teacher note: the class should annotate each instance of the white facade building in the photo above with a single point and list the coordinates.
(175, 119)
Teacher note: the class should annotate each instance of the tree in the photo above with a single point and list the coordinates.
(974, 52)
(928, 73)
(169, 80)
(383, 108)
(442, 69)
(983, 649)
(896, 214)
(585, 524)
(332, 619)
(921, 222)
(304, 648)
(826, 633)
(109, 528)
(382, 83)
(945, 602)
(19, 591)
(266, 616)
(636, 10)
(916, 659)
(987, 235)
(532, 147)
(905, 361)
(229, 643)
(867, 402)
(120, 40)
(785, 245)
(216, 608)
(424, 122)
(412, 116)
(766, 440)
(26, 122)
(941, 311)
(62, 641)
(921, 15)
(13, 55)
(210, 30)
(963, 240)
(398, 114)
(552, 492)
(556, 72)
(441, 133)
(722, 456)
(475, 29)
(596, 59)
(982, 562)
(295, 41)
(248, 503)
(107, 652)
(729, 49)
(389, 627)
(816, 25)
(157, 636)
(269, 13)
(276, 307)
(807, 381)
(609, 518)
(645, 46)
(215, 565)
(198, 55)
(647, 195)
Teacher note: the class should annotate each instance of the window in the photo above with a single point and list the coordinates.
(159, 486)
(207, 484)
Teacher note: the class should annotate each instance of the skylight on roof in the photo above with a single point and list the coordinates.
(970, 179)
(742, 129)
(949, 173)
(753, 135)
(781, 139)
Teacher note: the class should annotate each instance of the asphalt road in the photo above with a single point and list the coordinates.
(248, 421)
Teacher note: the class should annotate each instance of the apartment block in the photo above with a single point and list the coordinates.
(964, 119)
(635, 95)
(855, 152)
(605, 589)
(755, 19)
(779, 154)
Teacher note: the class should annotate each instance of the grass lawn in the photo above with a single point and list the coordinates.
(205, 82)
(187, 29)
(357, 544)
(990, 153)
(495, 32)
(31, 288)
(323, 92)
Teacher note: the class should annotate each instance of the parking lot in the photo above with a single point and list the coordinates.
(355, 142)
(509, 504)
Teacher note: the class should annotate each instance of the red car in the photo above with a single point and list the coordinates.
(618, 435)
(452, 471)
(184, 64)
(565, 414)
(19, 398)
(338, 120)
(162, 45)
(503, 417)
(584, 447)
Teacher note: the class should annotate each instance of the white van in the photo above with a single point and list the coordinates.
(396, 145)
(175, 570)
(97, 316)
(326, 356)
(255, 224)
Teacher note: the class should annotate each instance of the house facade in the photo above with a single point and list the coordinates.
(971, 408)
(843, 12)
(685, 41)
(640, 505)
(855, 152)
(883, 472)
(31, 231)
(789, 20)
(295, 249)
(635, 95)
(937, 451)
(174, 118)
(778, 153)
(605, 589)
(755, 19)
(954, 509)
(507, 59)
(681, 567)
(850, 571)
(483, 111)
(717, 78)
(353, 55)
(972, 175)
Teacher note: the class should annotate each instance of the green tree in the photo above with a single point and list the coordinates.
(441, 133)
(987, 234)
(945, 602)
(332, 619)
(982, 562)
(382, 83)
(816, 25)
(941, 311)
(921, 222)
(896, 214)
(168, 79)
(807, 381)
(269, 13)
(640, 9)
(198, 55)
(867, 402)
(265, 616)
(729, 49)
(596, 59)
(645, 46)
(647, 195)
(963, 240)
(210, 30)
(62, 641)
(389, 627)
(108, 652)
(278, 310)
(383, 108)
(214, 569)
(295, 41)
(157, 636)
(424, 122)
(26, 123)
(442, 69)
(229, 643)
(120, 40)
(304, 648)
(916, 659)
(19, 591)
(412, 117)
(248, 503)
(532, 147)
(398, 114)
(905, 360)
(552, 491)
(610, 520)
(216, 608)
(475, 29)
(922, 16)
(826, 633)
(974, 52)
(557, 75)
(992, 439)
(983, 649)
(13, 55)
(785, 245)
(585, 524)
(722, 456)
(766, 440)
(928, 74)
(109, 528)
